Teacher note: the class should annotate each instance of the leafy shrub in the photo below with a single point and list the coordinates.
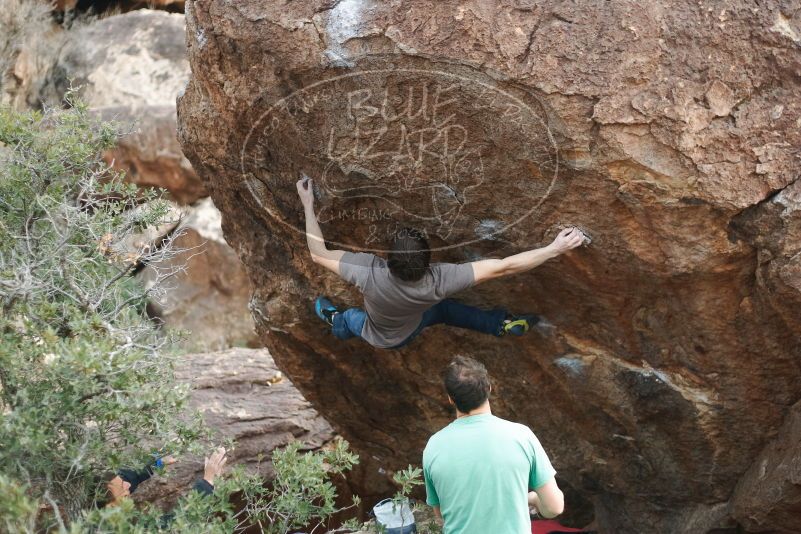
(86, 384)
(17, 509)
(301, 494)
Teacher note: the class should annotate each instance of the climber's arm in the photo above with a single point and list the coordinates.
(320, 254)
(484, 270)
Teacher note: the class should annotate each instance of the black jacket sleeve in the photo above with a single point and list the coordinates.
(136, 477)
(202, 486)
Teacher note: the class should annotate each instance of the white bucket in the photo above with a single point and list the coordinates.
(396, 518)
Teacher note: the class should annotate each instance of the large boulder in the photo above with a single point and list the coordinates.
(130, 68)
(670, 134)
(134, 60)
(243, 396)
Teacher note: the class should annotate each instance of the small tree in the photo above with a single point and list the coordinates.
(86, 384)
(301, 493)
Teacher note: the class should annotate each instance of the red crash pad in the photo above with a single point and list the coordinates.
(545, 526)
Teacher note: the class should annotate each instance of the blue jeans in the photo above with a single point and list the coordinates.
(349, 323)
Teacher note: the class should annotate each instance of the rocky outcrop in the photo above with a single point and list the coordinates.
(29, 44)
(149, 155)
(134, 60)
(767, 497)
(208, 297)
(99, 6)
(130, 68)
(242, 396)
(670, 134)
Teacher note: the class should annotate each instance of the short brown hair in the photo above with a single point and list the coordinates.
(467, 383)
(410, 255)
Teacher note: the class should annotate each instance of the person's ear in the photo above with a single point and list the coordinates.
(450, 401)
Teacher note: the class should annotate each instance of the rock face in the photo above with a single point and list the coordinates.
(134, 60)
(669, 134)
(97, 6)
(130, 68)
(767, 495)
(208, 297)
(29, 44)
(149, 153)
(242, 396)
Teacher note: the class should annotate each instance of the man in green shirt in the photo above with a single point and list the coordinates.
(481, 472)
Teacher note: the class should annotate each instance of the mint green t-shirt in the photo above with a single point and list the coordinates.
(479, 470)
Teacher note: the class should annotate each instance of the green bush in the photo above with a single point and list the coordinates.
(17, 509)
(301, 495)
(86, 384)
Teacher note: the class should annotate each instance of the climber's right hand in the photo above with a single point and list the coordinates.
(568, 239)
(306, 191)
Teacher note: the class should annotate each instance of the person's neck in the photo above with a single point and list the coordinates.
(484, 408)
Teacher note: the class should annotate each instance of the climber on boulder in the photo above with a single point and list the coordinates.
(405, 293)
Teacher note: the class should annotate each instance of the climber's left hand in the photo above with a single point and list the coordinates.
(306, 191)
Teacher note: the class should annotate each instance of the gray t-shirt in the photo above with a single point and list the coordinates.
(394, 307)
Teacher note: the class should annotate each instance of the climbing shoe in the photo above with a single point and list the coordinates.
(325, 310)
(517, 325)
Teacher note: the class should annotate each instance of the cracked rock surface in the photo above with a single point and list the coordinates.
(669, 134)
(242, 396)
